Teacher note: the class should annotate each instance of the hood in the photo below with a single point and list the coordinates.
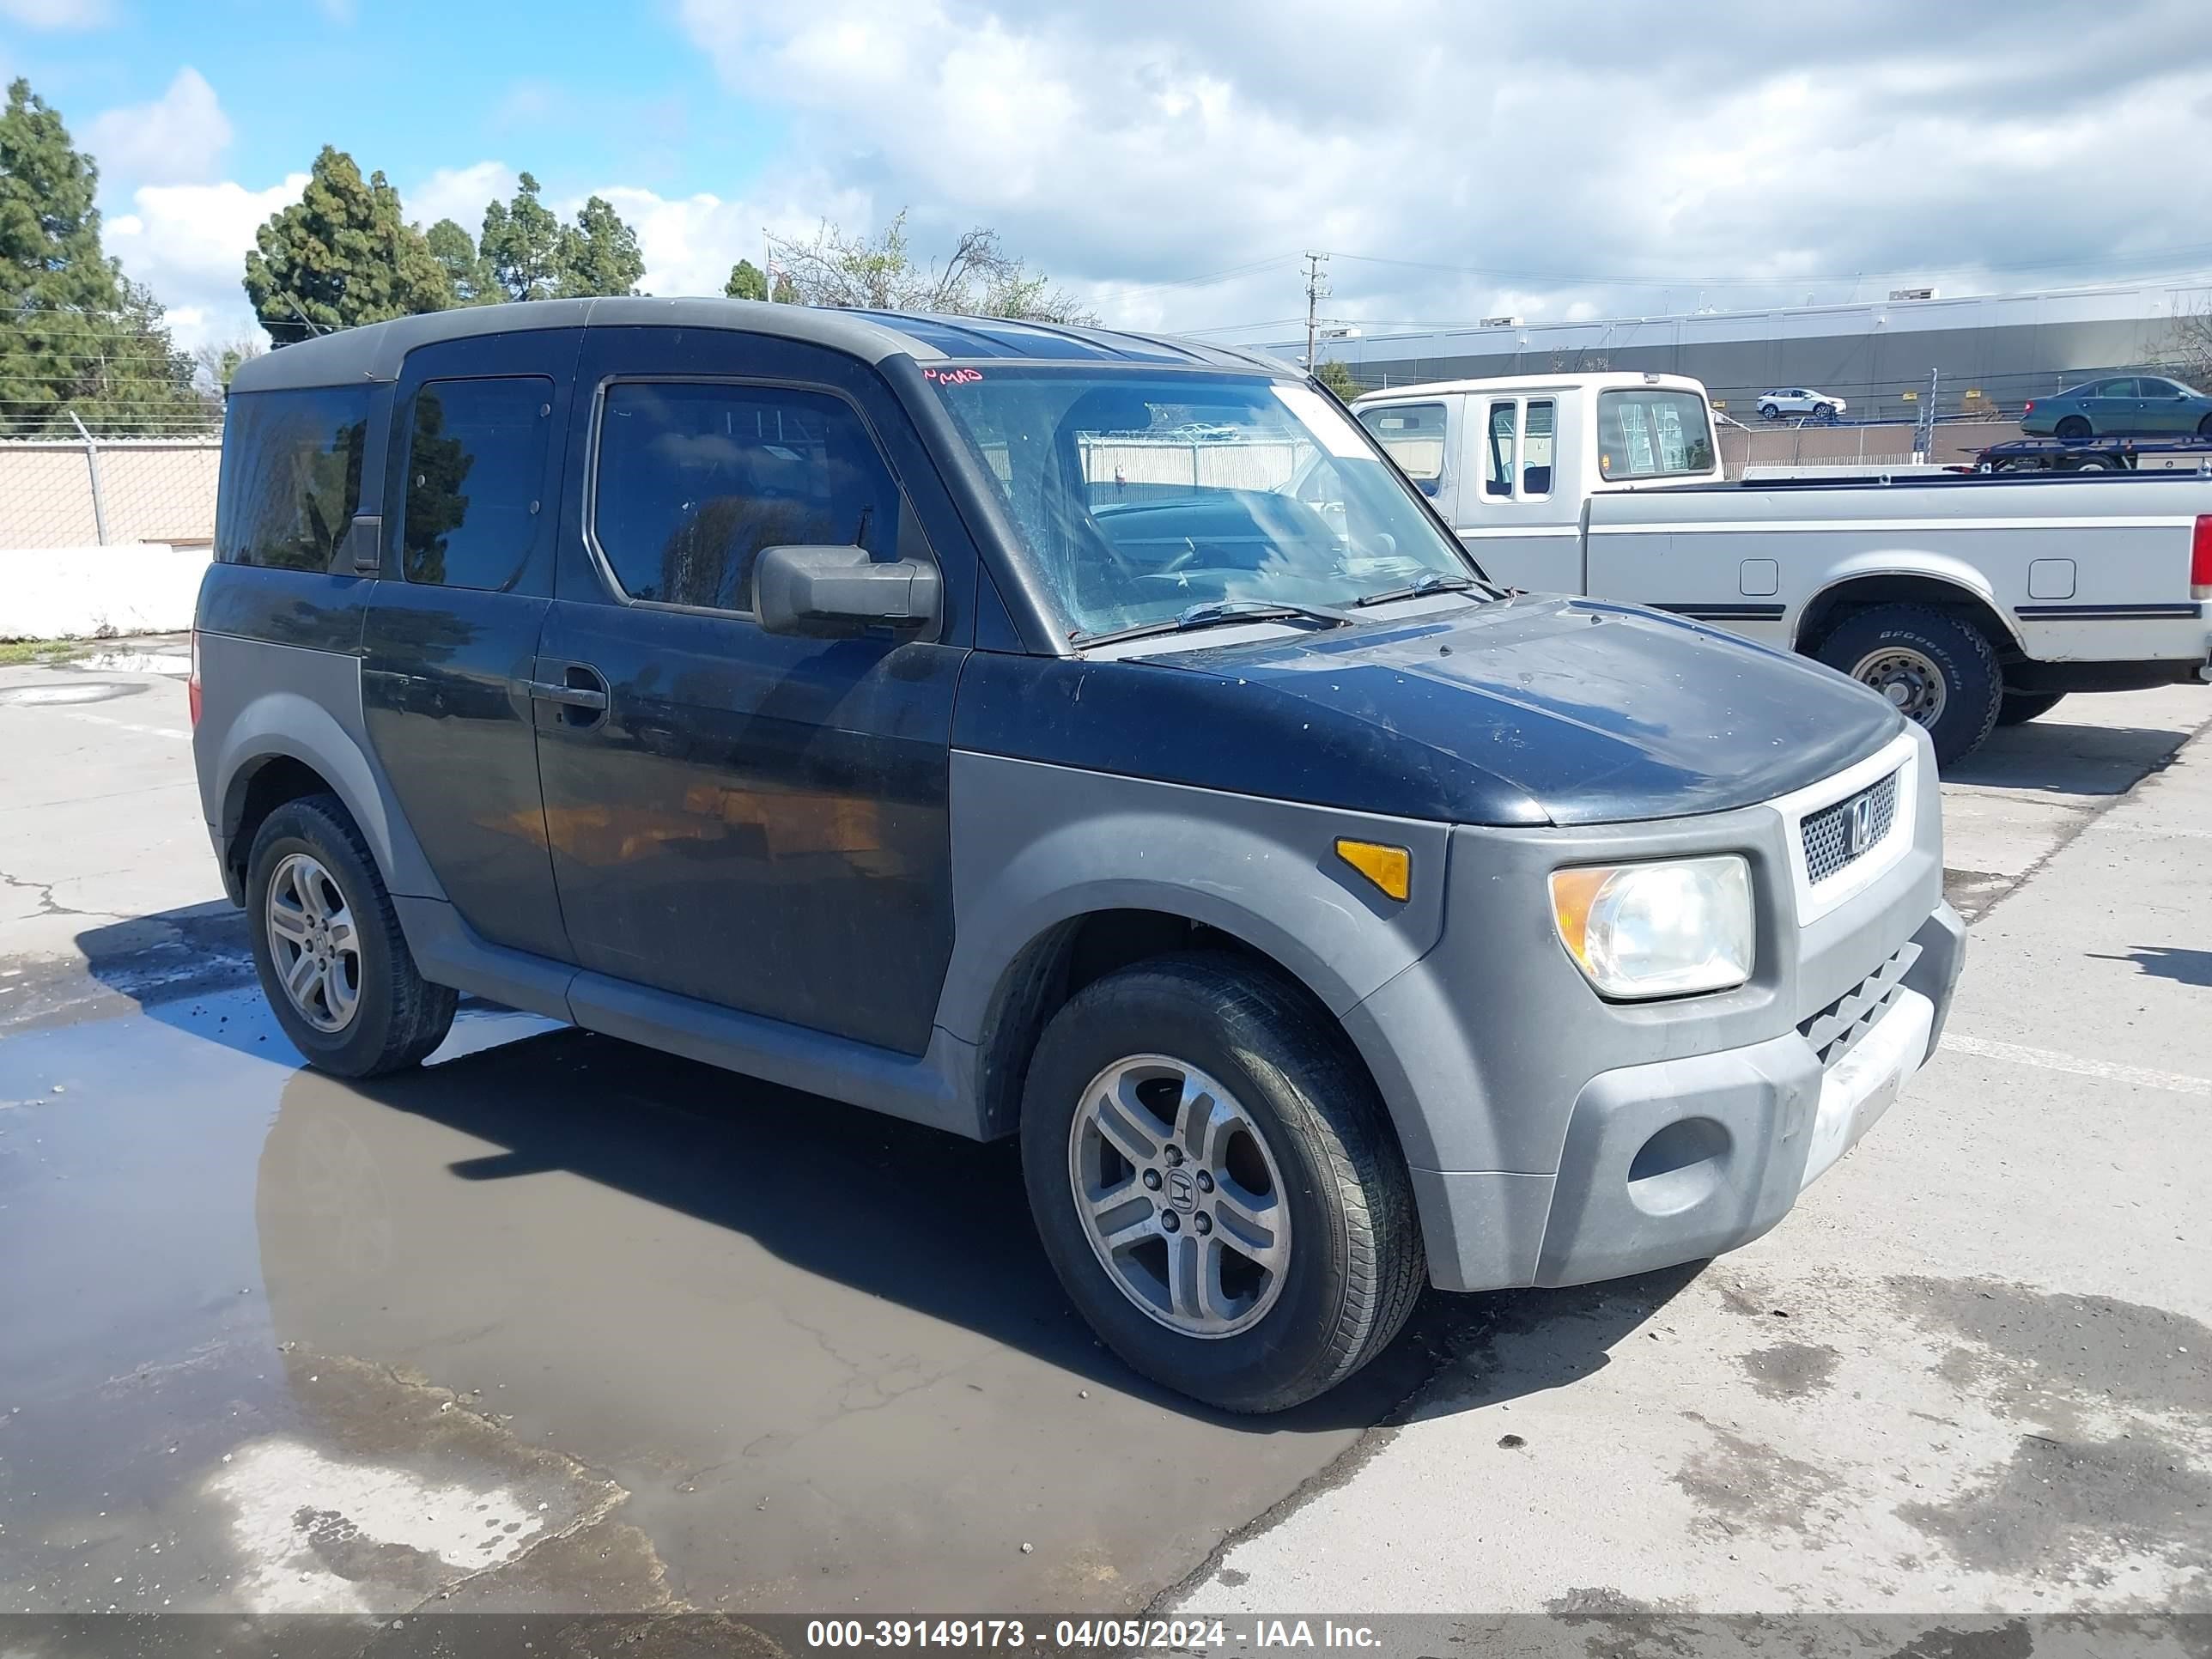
(1535, 711)
(1589, 713)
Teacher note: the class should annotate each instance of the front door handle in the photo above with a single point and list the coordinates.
(570, 697)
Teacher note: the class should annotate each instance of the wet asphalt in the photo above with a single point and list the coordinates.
(788, 1355)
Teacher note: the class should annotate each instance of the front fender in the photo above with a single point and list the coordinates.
(1035, 845)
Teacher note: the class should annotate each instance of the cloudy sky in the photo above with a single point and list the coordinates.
(1171, 159)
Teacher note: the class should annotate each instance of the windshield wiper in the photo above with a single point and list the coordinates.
(1216, 613)
(1421, 589)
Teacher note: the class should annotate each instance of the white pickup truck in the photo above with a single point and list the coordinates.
(1969, 601)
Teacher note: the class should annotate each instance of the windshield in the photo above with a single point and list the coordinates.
(1140, 494)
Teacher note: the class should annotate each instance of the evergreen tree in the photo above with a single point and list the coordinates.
(342, 255)
(466, 269)
(599, 255)
(77, 338)
(747, 282)
(521, 242)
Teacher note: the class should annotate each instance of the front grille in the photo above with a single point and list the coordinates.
(1829, 847)
(1835, 1030)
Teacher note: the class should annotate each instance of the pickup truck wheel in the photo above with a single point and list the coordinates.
(2073, 428)
(1217, 1184)
(2020, 706)
(1934, 668)
(327, 946)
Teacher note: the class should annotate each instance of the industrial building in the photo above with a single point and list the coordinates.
(1989, 352)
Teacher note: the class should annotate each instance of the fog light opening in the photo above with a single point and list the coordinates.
(1679, 1166)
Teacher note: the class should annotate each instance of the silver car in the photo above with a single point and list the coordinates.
(1800, 400)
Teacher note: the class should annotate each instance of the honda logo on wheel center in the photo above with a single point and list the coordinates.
(1182, 1190)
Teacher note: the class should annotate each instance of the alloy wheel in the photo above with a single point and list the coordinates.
(1181, 1199)
(313, 944)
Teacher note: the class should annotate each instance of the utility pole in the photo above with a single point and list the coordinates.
(1316, 291)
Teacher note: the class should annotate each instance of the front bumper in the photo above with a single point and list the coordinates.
(1555, 1139)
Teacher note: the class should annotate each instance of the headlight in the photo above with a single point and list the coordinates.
(1665, 929)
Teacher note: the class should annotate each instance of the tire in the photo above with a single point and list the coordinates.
(1309, 1126)
(2095, 464)
(2072, 430)
(2204, 427)
(2020, 706)
(372, 1012)
(1770, 411)
(1913, 649)
(1825, 413)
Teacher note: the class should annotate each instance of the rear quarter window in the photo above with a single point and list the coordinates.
(291, 476)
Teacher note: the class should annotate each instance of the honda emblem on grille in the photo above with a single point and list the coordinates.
(1859, 825)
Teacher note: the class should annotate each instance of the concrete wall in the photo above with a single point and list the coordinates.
(89, 591)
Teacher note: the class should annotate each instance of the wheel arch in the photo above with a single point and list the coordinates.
(1904, 579)
(285, 745)
(1079, 948)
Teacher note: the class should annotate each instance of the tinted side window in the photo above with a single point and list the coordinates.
(694, 479)
(291, 480)
(476, 462)
(2117, 389)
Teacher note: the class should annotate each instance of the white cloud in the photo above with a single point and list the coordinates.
(1576, 157)
(57, 13)
(459, 194)
(188, 243)
(178, 138)
(690, 242)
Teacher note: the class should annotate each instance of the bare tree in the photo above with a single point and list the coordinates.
(979, 278)
(2190, 348)
(217, 361)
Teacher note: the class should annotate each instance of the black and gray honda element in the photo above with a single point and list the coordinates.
(1044, 732)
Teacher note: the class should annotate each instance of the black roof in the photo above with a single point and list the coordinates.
(374, 351)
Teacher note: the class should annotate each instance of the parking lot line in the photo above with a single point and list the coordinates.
(2048, 1060)
(128, 725)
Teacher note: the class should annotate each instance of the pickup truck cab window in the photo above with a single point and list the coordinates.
(694, 478)
(1653, 432)
(1517, 449)
(1140, 496)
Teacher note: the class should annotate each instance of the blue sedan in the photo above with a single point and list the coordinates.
(2127, 406)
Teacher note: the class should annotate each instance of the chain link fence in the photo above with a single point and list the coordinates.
(90, 491)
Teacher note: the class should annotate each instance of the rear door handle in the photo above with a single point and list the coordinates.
(580, 694)
(570, 697)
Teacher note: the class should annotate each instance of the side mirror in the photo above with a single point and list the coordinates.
(831, 592)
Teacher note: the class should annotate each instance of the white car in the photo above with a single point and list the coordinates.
(1800, 400)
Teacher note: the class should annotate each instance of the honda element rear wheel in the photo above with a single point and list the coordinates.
(327, 946)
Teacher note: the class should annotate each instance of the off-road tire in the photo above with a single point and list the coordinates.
(1974, 683)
